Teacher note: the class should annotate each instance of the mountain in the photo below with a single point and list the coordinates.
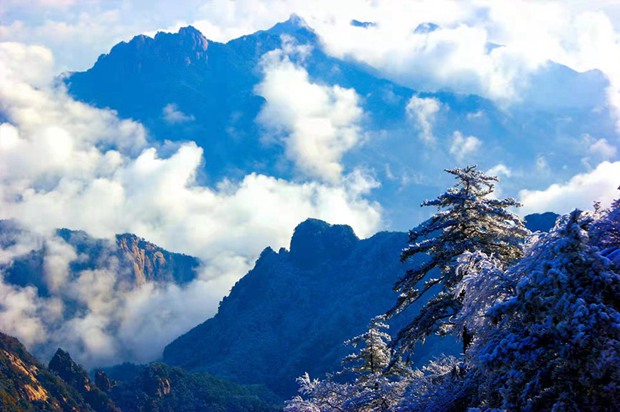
(292, 312)
(135, 259)
(91, 296)
(26, 385)
(159, 387)
(183, 86)
(543, 222)
(75, 376)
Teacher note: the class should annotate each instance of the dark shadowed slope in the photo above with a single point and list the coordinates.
(293, 311)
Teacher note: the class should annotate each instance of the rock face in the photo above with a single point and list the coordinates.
(103, 382)
(152, 263)
(73, 375)
(69, 371)
(293, 311)
(26, 385)
(134, 259)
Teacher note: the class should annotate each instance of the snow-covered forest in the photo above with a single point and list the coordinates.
(538, 315)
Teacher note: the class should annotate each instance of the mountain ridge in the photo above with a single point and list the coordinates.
(209, 96)
(289, 309)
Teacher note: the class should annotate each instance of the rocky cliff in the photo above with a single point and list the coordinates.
(131, 257)
(26, 385)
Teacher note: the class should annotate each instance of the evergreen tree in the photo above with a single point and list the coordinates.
(440, 385)
(319, 395)
(484, 284)
(374, 355)
(557, 341)
(606, 231)
(373, 389)
(468, 220)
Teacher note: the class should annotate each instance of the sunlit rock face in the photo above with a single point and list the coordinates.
(26, 385)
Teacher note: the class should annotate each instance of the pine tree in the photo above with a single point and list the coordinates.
(557, 341)
(606, 231)
(373, 388)
(468, 220)
(484, 284)
(374, 354)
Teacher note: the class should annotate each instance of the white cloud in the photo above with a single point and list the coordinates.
(422, 110)
(173, 115)
(49, 156)
(65, 164)
(463, 147)
(579, 192)
(603, 149)
(318, 124)
(500, 169)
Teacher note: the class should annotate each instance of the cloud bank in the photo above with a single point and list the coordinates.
(581, 192)
(63, 163)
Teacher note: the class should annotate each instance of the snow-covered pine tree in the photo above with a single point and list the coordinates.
(373, 387)
(557, 341)
(440, 385)
(606, 231)
(377, 388)
(484, 283)
(468, 220)
(374, 354)
(319, 395)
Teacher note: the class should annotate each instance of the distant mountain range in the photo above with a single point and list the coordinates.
(72, 290)
(185, 87)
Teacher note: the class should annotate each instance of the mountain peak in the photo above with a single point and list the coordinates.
(195, 37)
(28, 385)
(314, 239)
(363, 24)
(294, 24)
(69, 371)
(188, 37)
(190, 31)
(296, 20)
(426, 27)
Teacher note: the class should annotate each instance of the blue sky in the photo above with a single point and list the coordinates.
(54, 171)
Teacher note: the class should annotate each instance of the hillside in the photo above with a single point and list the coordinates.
(26, 385)
(292, 312)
